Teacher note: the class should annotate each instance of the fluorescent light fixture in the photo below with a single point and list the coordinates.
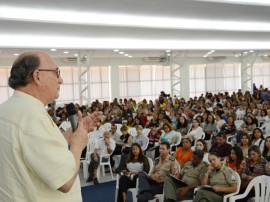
(130, 56)
(44, 41)
(126, 55)
(66, 52)
(76, 54)
(115, 50)
(121, 53)
(53, 49)
(167, 51)
(72, 17)
(16, 54)
(251, 51)
(245, 2)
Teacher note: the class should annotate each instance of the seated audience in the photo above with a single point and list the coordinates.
(154, 136)
(125, 139)
(266, 150)
(153, 184)
(257, 138)
(219, 121)
(229, 128)
(221, 147)
(220, 177)
(104, 145)
(236, 159)
(210, 127)
(168, 134)
(195, 132)
(141, 139)
(191, 174)
(136, 163)
(183, 154)
(249, 125)
(201, 145)
(182, 125)
(256, 165)
(245, 143)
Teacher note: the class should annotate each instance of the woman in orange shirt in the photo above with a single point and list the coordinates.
(183, 154)
(236, 159)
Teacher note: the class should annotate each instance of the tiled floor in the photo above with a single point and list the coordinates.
(107, 178)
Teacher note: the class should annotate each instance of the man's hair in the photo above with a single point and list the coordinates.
(166, 143)
(221, 134)
(23, 66)
(199, 153)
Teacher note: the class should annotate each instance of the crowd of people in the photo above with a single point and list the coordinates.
(229, 130)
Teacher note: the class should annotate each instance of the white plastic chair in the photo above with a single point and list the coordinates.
(178, 141)
(103, 161)
(118, 128)
(262, 190)
(134, 191)
(86, 161)
(146, 131)
(238, 184)
(132, 131)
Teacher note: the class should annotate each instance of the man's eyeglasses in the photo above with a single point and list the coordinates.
(57, 71)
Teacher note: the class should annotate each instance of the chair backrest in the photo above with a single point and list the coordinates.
(146, 131)
(262, 189)
(107, 126)
(118, 127)
(146, 145)
(151, 165)
(132, 131)
(178, 138)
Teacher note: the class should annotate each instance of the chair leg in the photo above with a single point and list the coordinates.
(111, 170)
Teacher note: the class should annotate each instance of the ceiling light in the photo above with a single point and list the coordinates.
(126, 55)
(66, 52)
(167, 51)
(116, 50)
(236, 56)
(265, 55)
(130, 56)
(212, 51)
(16, 54)
(101, 19)
(44, 41)
(76, 54)
(251, 51)
(245, 52)
(205, 55)
(121, 52)
(52, 49)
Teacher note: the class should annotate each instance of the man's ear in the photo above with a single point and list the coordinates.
(36, 78)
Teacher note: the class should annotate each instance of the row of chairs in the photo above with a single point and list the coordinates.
(260, 184)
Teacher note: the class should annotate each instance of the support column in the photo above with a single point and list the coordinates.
(114, 81)
(247, 61)
(84, 77)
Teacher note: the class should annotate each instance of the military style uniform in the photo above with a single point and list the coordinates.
(191, 175)
(148, 188)
(222, 177)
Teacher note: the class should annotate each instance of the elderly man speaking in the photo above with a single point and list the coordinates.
(36, 162)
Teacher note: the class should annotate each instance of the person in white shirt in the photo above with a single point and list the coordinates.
(104, 145)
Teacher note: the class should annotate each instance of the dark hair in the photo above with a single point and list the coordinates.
(239, 154)
(214, 154)
(198, 153)
(205, 149)
(248, 137)
(131, 155)
(166, 143)
(221, 134)
(184, 125)
(265, 149)
(253, 137)
(254, 148)
(22, 68)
